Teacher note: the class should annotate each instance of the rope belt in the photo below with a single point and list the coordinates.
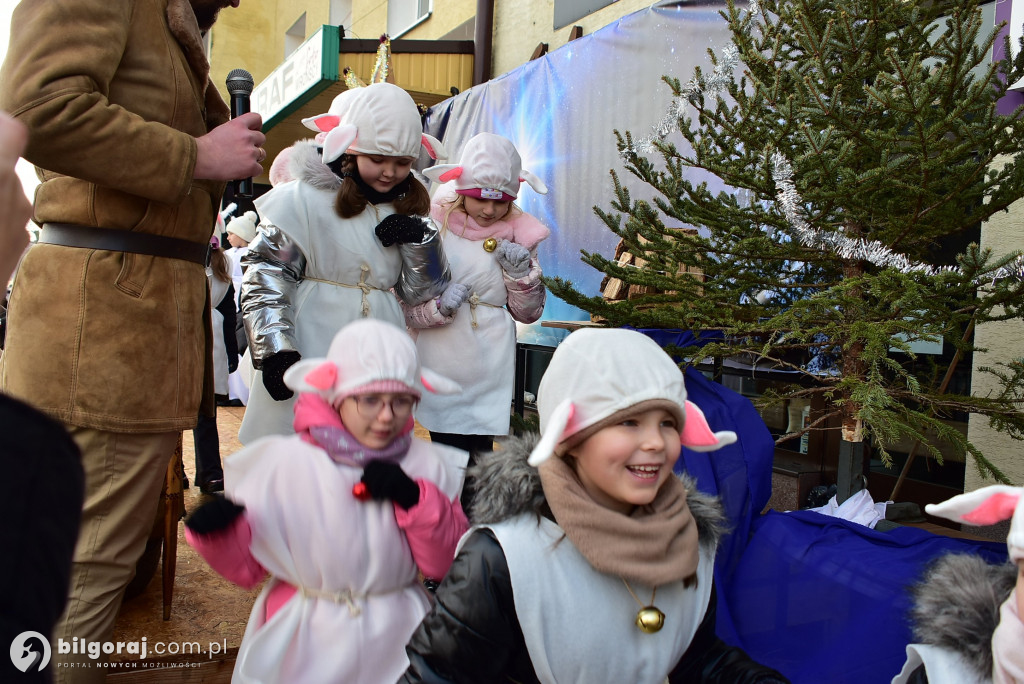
(361, 285)
(475, 301)
(346, 596)
(131, 242)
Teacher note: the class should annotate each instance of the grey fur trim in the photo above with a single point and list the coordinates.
(507, 486)
(956, 606)
(307, 166)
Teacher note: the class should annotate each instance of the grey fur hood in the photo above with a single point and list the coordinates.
(305, 164)
(956, 606)
(506, 486)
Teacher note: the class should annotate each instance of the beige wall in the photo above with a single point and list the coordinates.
(369, 19)
(520, 26)
(446, 16)
(1005, 341)
(252, 36)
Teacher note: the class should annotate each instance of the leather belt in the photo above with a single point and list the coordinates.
(114, 240)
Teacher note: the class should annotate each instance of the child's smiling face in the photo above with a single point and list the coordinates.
(622, 466)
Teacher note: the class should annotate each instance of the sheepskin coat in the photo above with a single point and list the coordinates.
(114, 95)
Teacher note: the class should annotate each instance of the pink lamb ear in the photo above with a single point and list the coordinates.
(994, 509)
(323, 376)
(322, 122)
(697, 434)
(430, 148)
(434, 147)
(451, 175)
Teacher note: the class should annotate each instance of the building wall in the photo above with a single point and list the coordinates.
(252, 37)
(445, 17)
(518, 26)
(1005, 341)
(369, 19)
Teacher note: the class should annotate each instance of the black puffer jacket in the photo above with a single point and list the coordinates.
(472, 634)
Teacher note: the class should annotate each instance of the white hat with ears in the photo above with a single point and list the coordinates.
(988, 506)
(598, 376)
(367, 353)
(378, 119)
(490, 168)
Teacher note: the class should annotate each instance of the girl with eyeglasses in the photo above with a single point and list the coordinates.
(348, 517)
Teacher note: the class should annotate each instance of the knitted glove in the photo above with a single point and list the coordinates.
(273, 368)
(400, 229)
(452, 298)
(514, 259)
(387, 480)
(214, 515)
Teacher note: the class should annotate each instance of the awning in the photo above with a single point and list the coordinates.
(309, 79)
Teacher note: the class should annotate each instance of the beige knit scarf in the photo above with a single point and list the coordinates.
(656, 544)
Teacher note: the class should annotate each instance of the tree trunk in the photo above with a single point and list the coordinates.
(850, 475)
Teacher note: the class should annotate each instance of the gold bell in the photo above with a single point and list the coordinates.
(650, 620)
(490, 244)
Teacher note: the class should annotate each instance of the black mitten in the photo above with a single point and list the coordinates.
(387, 480)
(213, 516)
(400, 229)
(273, 369)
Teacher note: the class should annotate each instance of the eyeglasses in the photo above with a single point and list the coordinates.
(370, 405)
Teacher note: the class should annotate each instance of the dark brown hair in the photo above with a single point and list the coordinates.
(350, 200)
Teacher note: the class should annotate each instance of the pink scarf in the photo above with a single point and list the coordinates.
(318, 423)
(518, 227)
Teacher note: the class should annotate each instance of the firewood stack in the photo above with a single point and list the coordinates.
(614, 290)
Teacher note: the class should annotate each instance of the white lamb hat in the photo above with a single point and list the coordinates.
(597, 375)
(367, 353)
(378, 119)
(490, 168)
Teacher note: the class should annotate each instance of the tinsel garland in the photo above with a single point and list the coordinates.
(859, 249)
(720, 79)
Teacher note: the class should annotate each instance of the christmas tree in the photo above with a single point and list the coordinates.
(856, 142)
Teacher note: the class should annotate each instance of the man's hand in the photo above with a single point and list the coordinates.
(232, 150)
(15, 209)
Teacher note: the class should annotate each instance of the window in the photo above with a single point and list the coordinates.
(295, 36)
(405, 14)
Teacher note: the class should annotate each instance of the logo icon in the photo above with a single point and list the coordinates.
(30, 649)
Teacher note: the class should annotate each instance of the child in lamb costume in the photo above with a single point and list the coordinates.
(347, 516)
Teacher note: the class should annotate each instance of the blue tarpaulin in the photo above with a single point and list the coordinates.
(824, 600)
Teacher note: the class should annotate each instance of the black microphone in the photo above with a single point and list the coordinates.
(239, 84)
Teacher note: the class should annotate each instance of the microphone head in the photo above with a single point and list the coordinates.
(239, 82)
